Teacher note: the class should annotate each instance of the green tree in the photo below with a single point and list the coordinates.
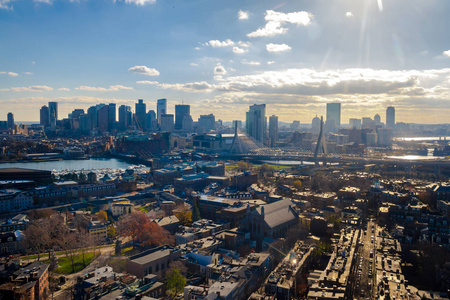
(175, 282)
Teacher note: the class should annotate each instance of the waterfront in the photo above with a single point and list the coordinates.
(60, 165)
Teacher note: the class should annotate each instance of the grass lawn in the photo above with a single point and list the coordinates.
(45, 255)
(144, 209)
(65, 265)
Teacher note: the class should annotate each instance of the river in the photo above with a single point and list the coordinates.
(59, 165)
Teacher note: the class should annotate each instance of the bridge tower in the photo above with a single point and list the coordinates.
(320, 144)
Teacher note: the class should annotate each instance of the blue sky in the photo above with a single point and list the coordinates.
(222, 56)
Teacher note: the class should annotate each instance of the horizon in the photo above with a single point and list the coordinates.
(294, 57)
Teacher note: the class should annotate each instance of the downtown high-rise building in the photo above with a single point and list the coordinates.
(166, 123)
(140, 114)
(390, 117)
(53, 114)
(44, 115)
(10, 120)
(333, 122)
(207, 122)
(112, 116)
(256, 122)
(273, 130)
(181, 111)
(161, 109)
(151, 121)
(125, 117)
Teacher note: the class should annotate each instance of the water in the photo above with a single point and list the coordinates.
(59, 165)
(415, 157)
(422, 139)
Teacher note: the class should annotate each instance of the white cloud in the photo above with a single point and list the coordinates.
(197, 48)
(144, 70)
(112, 88)
(349, 14)
(446, 53)
(270, 62)
(64, 89)
(43, 1)
(194, 64)
(10, 74)
(275, 20)
(251, 63)
(219, 70)
(277, 47)
(5, 4)
(271, 29)
(28, 73)
(238, 50)
(33, 88)
(140, 2)
(244, 44)
(217, 43)
(147, 82)
(243, 15)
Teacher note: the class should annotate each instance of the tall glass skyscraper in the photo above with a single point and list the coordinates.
(161, 109)
(333, 122)
(141, 112)
(181, 110)
(256, 122)
(390, 117)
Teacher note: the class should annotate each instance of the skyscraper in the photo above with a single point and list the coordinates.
(161, 109)
(140, 115)
(44, 116)
(181, 110)
(166, 123)
(390, 117)
(333, 121)
(256, 122)
(151, 120)
(10, 120)
(53, 113)
(273, 130)
(207, 122)
(125, 117)
(112, 116)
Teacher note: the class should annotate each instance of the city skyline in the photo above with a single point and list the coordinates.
(294, 57)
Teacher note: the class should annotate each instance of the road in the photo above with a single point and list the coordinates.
(365, 267)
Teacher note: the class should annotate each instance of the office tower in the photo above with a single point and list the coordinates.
(166, 123)
(187, 124)
(256, 122)
(74, 118)
(161, 109)
(125, 117)
(53, 113)
(367, 122)
(84, 124)
(112, 116)
(44, 116)
(354, 123)
(273, 130)
(207, 122)
(151, 121)
(384, 137)
(92, 113)
(295, 125)
(10, 120)
(333, 121)
(140, 114)
(103, 118)
(315, 125)
(390, 117)
(377, 119)
(181, 110)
